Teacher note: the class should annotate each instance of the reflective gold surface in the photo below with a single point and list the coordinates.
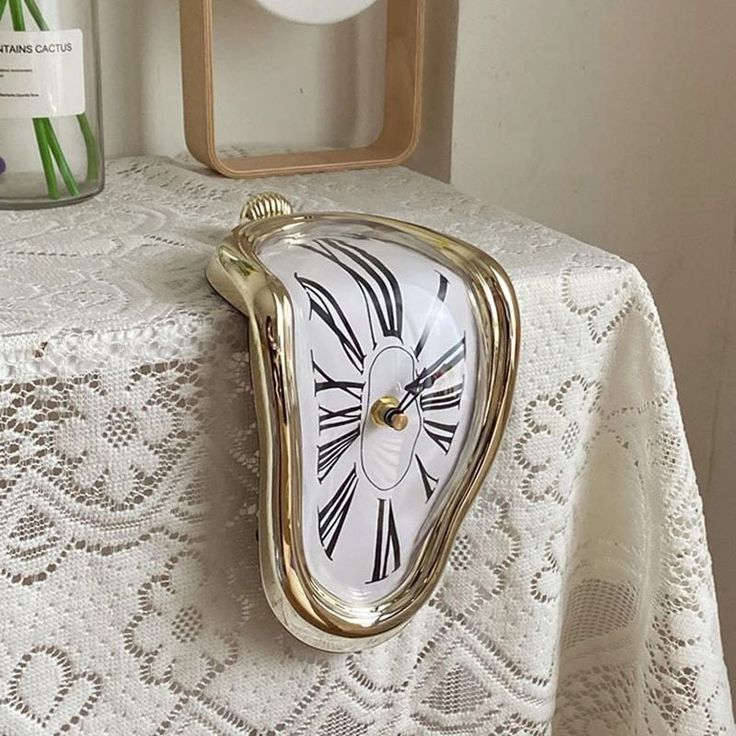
(304, 607)
(262, 206)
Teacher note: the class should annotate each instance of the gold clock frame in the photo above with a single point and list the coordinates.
(306, 609)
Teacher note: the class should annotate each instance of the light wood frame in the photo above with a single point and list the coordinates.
(403, 102)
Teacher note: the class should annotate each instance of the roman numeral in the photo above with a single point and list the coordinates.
(380, 288)
(442, 434)
(324, 382)
(325, 306)
(333, 418)
(388, 548)
(446, 398)
(428, 481)
(432, 317)
(330, 452)
(332, 517)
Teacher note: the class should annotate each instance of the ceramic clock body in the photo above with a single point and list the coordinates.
(383, 360)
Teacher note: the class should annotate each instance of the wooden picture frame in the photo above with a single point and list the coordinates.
(402, 113)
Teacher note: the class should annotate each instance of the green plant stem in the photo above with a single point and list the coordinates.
(19, 24)
(46, 160)
(16, 14)
(90, 142)
(93, 150)
(61, 162)
(3, 5)
(56, 149)
(37, 15)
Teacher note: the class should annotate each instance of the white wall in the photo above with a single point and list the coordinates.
(720, 505)
(615, 122)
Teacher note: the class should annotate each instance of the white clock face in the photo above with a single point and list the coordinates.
(386, 360)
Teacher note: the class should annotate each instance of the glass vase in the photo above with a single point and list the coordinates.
(51, 150)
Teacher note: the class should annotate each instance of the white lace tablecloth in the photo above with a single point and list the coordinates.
(579, 599)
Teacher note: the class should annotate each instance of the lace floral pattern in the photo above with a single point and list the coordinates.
(578, 598)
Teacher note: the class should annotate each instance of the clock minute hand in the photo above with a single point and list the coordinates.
(445, 363)
(429, 376)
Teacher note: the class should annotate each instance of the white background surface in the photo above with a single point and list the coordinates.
(613, 121)
(579, 596)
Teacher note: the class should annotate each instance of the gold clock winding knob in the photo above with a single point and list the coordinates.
(265, 205)
(383, 414)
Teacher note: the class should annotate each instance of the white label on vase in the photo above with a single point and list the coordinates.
(41, 74)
